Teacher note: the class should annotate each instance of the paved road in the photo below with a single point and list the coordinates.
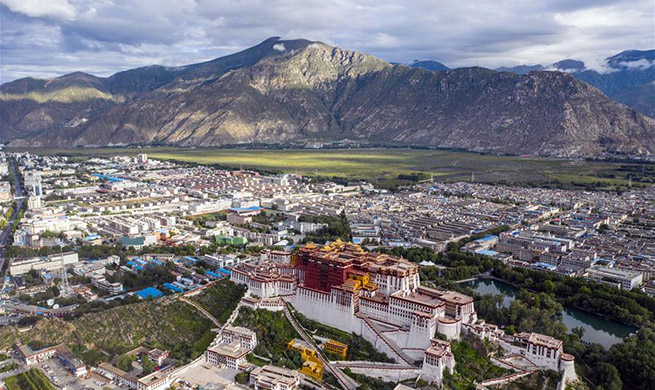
(4, 236)
(202, 310)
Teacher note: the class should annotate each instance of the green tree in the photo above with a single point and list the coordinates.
(549, 286)
(607, 377)
(242, 378)
(147, 364)
(124, 362)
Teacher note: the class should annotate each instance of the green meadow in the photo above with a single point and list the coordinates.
(385, 165)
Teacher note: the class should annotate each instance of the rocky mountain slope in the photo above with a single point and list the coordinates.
(299, 90)
(627, 77)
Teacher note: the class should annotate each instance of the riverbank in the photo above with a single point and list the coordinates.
(598, 329)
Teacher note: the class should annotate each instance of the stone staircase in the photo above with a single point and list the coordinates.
(399, 352)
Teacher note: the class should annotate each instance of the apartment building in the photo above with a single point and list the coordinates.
(626, 280)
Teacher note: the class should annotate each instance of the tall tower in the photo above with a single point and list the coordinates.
(34, 188)
(65, 288)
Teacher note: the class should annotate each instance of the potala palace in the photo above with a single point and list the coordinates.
(380, 297)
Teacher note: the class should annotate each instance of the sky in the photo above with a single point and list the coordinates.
(47, 38)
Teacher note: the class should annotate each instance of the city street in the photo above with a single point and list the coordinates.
(6, 232)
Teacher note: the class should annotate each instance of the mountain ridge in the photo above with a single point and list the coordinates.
(299, 90)
(625, 78)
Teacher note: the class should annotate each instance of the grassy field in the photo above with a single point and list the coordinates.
(384, 165)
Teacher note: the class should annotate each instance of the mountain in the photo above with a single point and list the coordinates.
(429, 65)
(631, 59)
(626, 77)
(641, 98)
(299, 90)
(568, 66)
(520, 69)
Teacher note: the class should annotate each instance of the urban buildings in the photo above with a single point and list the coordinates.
(252, 228)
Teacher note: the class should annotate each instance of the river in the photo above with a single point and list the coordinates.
(597, 329)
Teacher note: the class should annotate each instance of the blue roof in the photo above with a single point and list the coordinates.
(545, 265)
(486, 252)
(101, 176)
(149, 292)
(485, 238)
(172, 287)
(190, 258)
(214, 274)
(251, 208)
(225, 271)
(127, 241)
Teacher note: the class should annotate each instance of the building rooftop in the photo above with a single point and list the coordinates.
(149, 292)
(272, 375)
(232, 350)
(240, 330)
(540, 339)
(456, 298)
(423, 299)
(615, 273)
(438, 348)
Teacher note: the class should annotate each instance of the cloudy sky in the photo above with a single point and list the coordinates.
(45, 38)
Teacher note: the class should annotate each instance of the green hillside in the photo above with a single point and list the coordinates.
(165, 323)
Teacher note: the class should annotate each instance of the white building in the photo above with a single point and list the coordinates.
(50, 263)
(100, 282)
(626, 280)
(544, 351)
(438, 358)
(266, 280)
(244, 336)
(5, 191)
(231, 355)
(274, 378)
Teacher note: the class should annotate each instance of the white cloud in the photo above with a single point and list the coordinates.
(105, 36)
(639, 64)
(56, 9)
(279, 47)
